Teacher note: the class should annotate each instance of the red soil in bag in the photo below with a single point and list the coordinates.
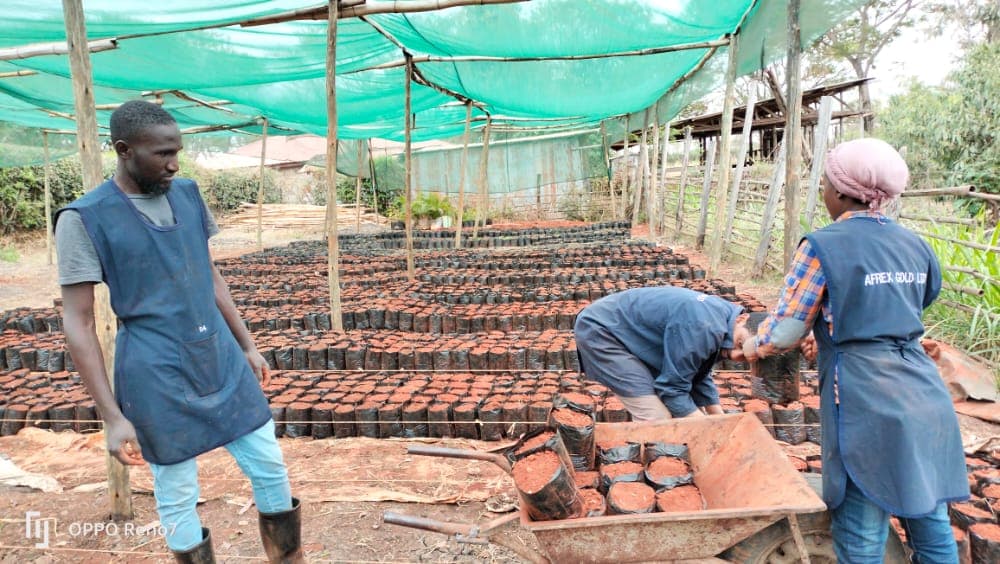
(681, 498)
(535, 471)
(631, 497)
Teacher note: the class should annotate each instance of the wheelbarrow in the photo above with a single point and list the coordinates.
(759, 508)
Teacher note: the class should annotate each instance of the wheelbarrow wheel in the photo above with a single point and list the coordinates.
(775, 544)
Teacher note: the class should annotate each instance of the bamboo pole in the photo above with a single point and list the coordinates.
(54, 48)
(14, 74)
(357, 188)
(90, 160)
(770, 209)
(332, 241)
(408, 179)
(484, 190)
(462, 172)
(734, 192)
(959, 242)
(793, 133)
(929, 219)
(725, 154)
(48, 198)
(662, 199)
(819, 157)
(706, 192)
(260, 187)
(643, 167)
(684, 177)
(607, 166)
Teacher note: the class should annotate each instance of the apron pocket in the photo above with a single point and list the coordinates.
(201, 365)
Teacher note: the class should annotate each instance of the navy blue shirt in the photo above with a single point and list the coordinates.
(677, 333)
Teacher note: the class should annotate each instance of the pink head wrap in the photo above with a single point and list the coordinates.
(868, 170)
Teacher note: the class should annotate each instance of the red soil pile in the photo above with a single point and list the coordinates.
(631, 497)
(535, 471)
(571, 418)
(666, 466)
(681, 498)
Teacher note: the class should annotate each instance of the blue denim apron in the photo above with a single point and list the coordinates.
(180, 377)
(887, 418)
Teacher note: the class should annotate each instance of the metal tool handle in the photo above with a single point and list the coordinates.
(466, 454)
(426, 524)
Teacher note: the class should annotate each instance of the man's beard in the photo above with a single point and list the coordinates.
(154, 188)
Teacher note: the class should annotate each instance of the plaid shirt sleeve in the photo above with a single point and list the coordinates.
(801, 299)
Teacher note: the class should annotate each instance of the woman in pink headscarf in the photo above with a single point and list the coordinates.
(891, 442)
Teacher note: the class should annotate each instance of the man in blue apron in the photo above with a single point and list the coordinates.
(891, 442)
(186, 369)
(655, 348)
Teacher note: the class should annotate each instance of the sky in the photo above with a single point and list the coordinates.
(914, 54)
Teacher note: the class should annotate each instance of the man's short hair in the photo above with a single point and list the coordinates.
(135, 116)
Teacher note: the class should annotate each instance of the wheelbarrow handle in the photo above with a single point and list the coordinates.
(466, 454)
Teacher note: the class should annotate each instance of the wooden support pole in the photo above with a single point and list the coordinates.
(734, 192)
(725, 154)
(332, 241)
(463, 165)
(357, 187)
(793, 133)
(641, 173)
(484, 188)
(260, 187)
(663, 179)
(655, 195)
(770, 209)
(607, 167)
(679, 217)
(48, 198)
(371, 175)
(706, 192)
(87, 140)
(627, 159)
(55, 48)
(411, 273)
(819, 157)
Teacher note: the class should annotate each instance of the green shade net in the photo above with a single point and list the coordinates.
(278, 70)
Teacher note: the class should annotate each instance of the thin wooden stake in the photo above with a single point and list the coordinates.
(770, 209)
(706, 192)
(725, 155)
(371, 174)
(684, 178)
(48, 198)
(332, 242)
(484, 189)
(793, 133)
(627, 159)
(819, 157)
(357, 188)
(663, 179)
(734, 192)
(408, 179)
(461, 174)
(260, 187)
(641, 173)
(90, 160)
(607, 167)
(654, 185)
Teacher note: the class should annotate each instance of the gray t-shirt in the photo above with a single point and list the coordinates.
(78, 260)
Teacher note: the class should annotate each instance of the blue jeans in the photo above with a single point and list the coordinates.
(860, 528)
(176, 486)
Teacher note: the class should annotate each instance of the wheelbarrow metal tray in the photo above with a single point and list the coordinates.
(747, 481)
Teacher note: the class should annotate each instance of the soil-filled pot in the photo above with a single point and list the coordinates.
(620, 472)
(653, 450)
(669, 472)
(985, 541)
(618, 451)
(591, 479)
(537, 441)
(626, 498)
(680, 499)
(577, 431)
(594, 504)
(546, 487)
(789, 423)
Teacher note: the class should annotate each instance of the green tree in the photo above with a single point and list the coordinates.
(858, 40)
(950, 132)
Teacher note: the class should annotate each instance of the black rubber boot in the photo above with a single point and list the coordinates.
(200, 554)
(281, 534)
